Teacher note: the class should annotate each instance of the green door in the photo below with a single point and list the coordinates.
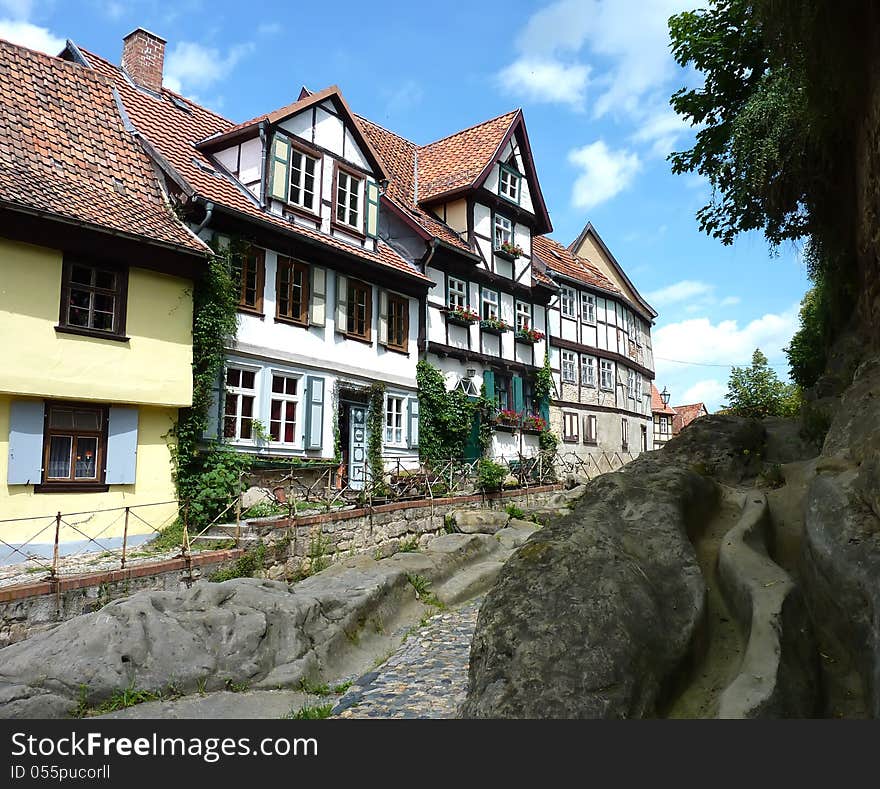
(472, 445)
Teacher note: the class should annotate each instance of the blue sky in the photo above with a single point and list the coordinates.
(593, 78)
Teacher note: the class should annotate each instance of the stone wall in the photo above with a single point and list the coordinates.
(27, 609)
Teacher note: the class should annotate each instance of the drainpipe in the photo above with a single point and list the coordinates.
(209, 212)
(423, 322)
(264, 174)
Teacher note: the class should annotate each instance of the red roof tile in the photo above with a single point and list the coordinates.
(65, 151)
(175, 132)
(560, 259)
(657, 405)
(685, 414)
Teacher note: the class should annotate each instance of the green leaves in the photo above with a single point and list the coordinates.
(756, 391)
(445, 418)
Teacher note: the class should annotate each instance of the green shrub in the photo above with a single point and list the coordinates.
(490, 474)
(815, 423)
(515, 512)
(243, 567)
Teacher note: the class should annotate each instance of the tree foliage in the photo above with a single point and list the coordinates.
(756, 391)
(445, 418)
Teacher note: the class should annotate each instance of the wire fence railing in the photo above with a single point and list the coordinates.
(73, 543)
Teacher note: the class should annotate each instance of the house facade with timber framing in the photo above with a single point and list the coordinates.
(367, 251)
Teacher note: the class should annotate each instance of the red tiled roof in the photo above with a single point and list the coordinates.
(657, 406)
(65, 151)
(175, 132)
(459, 159)
(685, 414)
(561, 260)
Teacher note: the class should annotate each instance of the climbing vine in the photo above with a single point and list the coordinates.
(548, 440)
(204, 480)
(375, 430)
(445, 418)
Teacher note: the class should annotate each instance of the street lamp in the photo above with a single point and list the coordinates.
(664, 396)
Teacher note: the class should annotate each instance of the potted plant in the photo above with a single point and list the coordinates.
(534, 423)
(462, 316)
(509, 250)
(507, 418)
(527, 335)
(494, 325)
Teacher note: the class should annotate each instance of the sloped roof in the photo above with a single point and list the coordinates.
(560, 259)
(657, 405)
(685, 414)
(174, 125)
(65, 152)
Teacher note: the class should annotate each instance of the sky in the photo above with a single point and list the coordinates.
(593, 78)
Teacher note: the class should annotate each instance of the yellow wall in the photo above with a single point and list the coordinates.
(590, 251)
(153, 485)
(154, 367)
(456, 215)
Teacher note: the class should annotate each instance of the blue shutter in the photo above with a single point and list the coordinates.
(25, 442)
(413, 419)
(314, 421)
(489, 384)
(122, 443)
(517, 394)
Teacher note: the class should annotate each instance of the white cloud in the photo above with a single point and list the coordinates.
(730, 301)
(680, 291)
(699, 341)
(710, 391)
(661, 129)
(546, 80)
(31, 36)
(191, 66)
(604, 173)
(403, 98)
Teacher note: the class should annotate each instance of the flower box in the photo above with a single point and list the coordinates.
(534, 423)
(509, 251)
(494, 325)
(505, 428)
(528, 336)
(461, 316)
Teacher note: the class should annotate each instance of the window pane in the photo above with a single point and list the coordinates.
(59, 457)
(290, 412)
(61, 418)
(275, 412)
(247, 379)
(229, 427)
(86, 420)
(245, 428)
(86, 457)
(102, 321)
(288, 433)
(82, 275)
(290, 385)
(277, 384)
(247, 406)
(105, 279)
(233, 377)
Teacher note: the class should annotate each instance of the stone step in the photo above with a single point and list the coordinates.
(469, 583)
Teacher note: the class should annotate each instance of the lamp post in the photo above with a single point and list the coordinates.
(664, 396)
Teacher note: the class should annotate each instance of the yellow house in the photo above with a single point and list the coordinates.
(96, 279)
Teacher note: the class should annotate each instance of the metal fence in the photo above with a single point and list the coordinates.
(119, 537)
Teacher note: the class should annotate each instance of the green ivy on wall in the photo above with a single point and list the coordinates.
(445, 418)
(375, 433)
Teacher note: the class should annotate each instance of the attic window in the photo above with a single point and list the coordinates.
(180, 104)
(508, 183)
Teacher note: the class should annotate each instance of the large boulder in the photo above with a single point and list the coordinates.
(597, 614)
(480, 521)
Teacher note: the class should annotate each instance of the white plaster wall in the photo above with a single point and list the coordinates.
(251, 164)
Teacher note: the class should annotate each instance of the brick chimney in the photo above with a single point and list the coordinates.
(143, 56)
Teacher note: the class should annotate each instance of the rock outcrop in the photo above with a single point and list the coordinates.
(597, 613)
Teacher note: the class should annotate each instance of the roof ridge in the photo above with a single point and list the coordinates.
(54, 60)
(164, 89)
(470, 128)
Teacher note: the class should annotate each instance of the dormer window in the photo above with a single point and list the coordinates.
(348, 199)
(503, 231)
(302, 179)
(508, 183)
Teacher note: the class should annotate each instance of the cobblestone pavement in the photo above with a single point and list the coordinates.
(426, 677)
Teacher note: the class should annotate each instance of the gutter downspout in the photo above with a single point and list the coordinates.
(263, 176)
(209, 213)
(423, 315)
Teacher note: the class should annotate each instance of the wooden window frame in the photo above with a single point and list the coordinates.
(403, 303)
(465, 295)
(574, 367)
(355, 284)
(119, 293)
(284, 398)
(260, 265)
(355, 230)
(71, 484)
(293, 265)
(315, 211)
(483, 292)
(516, 177)
(390, 426)
(567, 418)
(239, 392)
(574, 297)
(591, 437)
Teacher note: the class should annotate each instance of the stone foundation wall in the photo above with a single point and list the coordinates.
(25, 610)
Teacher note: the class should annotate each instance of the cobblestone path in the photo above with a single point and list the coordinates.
(426, 677)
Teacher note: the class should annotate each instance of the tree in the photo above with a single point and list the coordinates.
(756, 391)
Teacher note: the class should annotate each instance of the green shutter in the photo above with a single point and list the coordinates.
(517, 394)
(489, 383)
(413, 420)
(279, 168)
(372, 223)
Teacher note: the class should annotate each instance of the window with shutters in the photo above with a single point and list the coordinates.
(249, 272)
(588, 307)
(569, 427)
(283, 409)
(503, 392)
(74, 445)
(349, 189)
(93, 299)
(359, 309)
(591, 429)
(292, 291)
(588, 371)
(398, 322)
(394, 411)
(606, 375)
(569, 367)
(238, 412)
(567, 303)
(303, 169)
